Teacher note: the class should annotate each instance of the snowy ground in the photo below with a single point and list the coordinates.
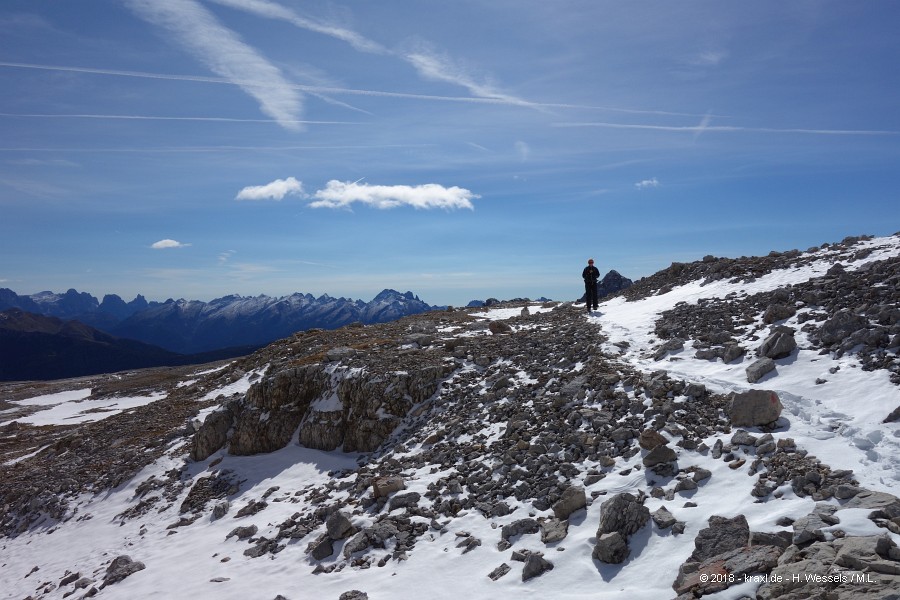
(838, 421)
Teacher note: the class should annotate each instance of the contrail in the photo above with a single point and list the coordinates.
(162, 118)
(337, 91)
(702, 128)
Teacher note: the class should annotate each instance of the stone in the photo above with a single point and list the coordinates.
(808, 529)
(650, 439)
(572, 499)
(611, 548)
(338, 526)
(322, 548)
(742, 438)
(385, 486)
(778, 312)
(213, 434)
(753, 408)
(659, 455)
(888, 504)
(554, 530)
(701, 474)
(869, 553)
(839, 327)
(520, 527)
(354, 595)
(779, 344)
(535, 566)
(720, 571)
(622, 513)
(759, 368)
(722, 535)
(410, 499)
(732, 352)
(220, 509)
(499, 327)
(780, 539)
(243, 533)
(663, 518)
(499, 572)
(120, 568)
(357, 543)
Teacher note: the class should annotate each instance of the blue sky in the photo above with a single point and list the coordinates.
(198, 148)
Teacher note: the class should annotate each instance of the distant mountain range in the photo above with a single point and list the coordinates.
(192, 326)
(37, 347)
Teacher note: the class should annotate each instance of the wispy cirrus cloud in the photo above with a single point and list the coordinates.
(275, 190)
(223, 52)
(427, 61)
(436, 66)
(339, 194)
(167, 243)
(273, 10)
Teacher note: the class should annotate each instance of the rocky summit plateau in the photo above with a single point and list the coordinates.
(726, 428)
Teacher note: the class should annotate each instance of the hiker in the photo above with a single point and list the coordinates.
(590, 275)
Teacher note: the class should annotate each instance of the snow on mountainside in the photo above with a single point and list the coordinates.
(501, 452)
(193, 326)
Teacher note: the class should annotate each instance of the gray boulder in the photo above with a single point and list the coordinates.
(753, 407)
(519, 527)
(554, 530)
(535, 566)
(338, 526)
(779, 344)
(660, 455)
(611, 548)
(120, 568)
(385, 486)
(722, 535)
(573, 498)
(840, 326)
(663, 518)
(322, 548)
(759, 368)
(410, 499)
(888, 504)
(778, 312)
(623, 513)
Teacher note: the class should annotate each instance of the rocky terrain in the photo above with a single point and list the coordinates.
(495, 452)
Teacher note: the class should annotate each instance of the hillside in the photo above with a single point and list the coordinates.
(35, 347)
(726, 428)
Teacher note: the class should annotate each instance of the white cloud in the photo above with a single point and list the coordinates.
(225, 256)
(339, 194)
(647, 183)
(167, 243)
(275, 190)
(523, 150)
(223, 52)
(709, 58)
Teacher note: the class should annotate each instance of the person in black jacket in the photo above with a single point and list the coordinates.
(590, 275)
